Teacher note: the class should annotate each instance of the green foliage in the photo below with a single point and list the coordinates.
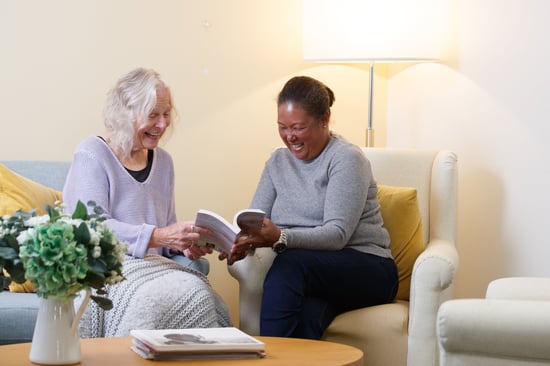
(61, 254)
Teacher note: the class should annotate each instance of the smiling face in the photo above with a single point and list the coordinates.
(149, 132)
(304, 135)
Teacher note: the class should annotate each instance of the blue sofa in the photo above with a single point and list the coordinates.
(18, 311)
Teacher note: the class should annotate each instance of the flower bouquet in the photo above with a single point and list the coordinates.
(62, 254)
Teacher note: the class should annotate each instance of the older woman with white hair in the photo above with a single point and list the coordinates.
(126, 173)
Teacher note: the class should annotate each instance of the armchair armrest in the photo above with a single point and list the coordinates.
(520, 288)
(432, 277)
(495, 328)
(250, 273)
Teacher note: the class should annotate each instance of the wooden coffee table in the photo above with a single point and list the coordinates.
(279, 352)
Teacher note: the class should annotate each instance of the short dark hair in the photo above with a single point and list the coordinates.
(313, 96)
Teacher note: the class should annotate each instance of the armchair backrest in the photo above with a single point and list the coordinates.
(433, 174)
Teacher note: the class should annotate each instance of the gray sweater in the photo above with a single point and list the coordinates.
(326, 203)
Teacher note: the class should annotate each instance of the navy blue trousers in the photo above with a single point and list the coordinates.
(304, 290)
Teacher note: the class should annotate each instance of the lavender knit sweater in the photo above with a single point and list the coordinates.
(133, 209)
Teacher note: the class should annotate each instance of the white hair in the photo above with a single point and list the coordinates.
(132, 99)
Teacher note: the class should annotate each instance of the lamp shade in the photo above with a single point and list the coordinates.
(371, 30)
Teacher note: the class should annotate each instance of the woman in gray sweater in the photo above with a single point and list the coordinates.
(323, 220)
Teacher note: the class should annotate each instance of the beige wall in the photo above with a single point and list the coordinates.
(226, 61)
(488, 101)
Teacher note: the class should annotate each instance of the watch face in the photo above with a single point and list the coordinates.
(279, 247)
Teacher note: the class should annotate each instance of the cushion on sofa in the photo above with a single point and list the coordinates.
(20, 193)
(402, 219)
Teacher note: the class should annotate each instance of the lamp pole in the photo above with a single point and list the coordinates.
(370, 130)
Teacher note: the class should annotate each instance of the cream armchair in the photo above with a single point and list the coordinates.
(403, 332)
(511, 326)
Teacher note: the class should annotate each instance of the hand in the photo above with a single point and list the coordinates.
(247, 241)
(178, 237)
(195, 251)
(235, 255)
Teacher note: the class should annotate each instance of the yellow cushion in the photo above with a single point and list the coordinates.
(26, 286)
(20, 193)
(402, 219)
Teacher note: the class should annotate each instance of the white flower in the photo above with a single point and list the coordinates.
(114, 278)
(37, 220)
(4, 231)
(101, 227)
(95, 237)
(96, 252)
(25, 235)
(61, 205)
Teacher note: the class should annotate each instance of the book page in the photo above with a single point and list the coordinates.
(223, 233)
(249, 219)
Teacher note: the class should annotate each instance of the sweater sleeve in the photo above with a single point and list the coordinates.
(90, 179)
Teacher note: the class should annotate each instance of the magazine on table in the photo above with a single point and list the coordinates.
(195, 343)
(224, 234)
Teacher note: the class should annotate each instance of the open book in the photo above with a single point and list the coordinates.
(196, 343)
(224, 234)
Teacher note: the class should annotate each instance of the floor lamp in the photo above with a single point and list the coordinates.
(371, 32)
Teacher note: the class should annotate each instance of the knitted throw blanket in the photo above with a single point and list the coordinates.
(158, 293)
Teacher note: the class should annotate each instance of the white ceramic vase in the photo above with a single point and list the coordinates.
(55, 340)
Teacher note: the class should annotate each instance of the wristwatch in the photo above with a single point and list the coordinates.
(280, 245)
